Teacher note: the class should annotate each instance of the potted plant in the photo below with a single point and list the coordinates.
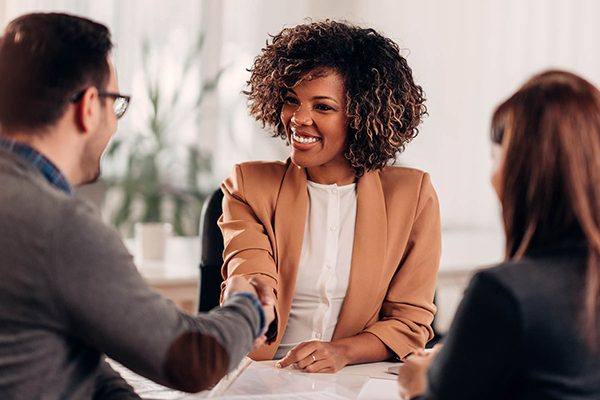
(162, 172)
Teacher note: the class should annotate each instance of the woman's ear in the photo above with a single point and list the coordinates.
(497, 175)
(87, 111)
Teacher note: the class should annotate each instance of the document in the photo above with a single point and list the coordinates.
(290, 396)
(263, 381)
(257, 380)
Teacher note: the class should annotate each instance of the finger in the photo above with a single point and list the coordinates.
(403, 393)
(307, 361)
(305, 349)
(291, 358)
(265, 294)
(420, 352)
(319, 366)
(296, 354)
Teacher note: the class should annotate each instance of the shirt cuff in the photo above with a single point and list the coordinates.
(259, 308)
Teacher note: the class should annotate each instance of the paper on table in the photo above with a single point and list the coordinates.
(252, 380)
(379, 389)
(289, 396)
(228, 380)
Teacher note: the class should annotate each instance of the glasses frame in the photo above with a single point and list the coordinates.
(121, 102)
(120, 105)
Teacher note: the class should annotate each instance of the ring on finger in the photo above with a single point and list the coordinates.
(314, 359)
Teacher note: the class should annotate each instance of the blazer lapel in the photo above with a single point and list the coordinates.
(368, 255)
(289, 221)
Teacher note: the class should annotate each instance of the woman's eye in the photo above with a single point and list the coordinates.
(290, 100)
(323, 107)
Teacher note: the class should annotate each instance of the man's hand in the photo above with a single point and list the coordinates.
(412, 375)
(238, 284)
(315, 357)
(267, 299)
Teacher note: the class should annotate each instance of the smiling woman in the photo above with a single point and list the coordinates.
(349, 245)
(316, 125)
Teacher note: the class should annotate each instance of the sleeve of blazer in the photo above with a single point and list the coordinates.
(407, 311)
(247, 248)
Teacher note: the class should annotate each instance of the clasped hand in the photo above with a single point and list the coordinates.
(238, 284)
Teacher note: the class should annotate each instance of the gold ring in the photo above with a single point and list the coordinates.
(314, 358)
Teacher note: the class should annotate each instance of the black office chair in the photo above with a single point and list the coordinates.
(211, 254)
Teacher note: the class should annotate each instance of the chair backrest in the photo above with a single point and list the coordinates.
(211, 254)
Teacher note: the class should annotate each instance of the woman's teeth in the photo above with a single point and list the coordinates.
(304, 139)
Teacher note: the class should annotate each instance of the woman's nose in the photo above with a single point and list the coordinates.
(301, 116)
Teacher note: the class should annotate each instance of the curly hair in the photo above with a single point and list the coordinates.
(383, 104)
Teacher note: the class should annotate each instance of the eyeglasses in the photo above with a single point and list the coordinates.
(119, 106)
(121, 102)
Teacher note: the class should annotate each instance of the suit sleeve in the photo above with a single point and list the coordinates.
(248, 251)
(407, 311)
(480, 353)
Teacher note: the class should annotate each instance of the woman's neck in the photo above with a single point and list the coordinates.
(328, 176)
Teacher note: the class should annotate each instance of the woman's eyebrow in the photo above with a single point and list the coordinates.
(325, 98)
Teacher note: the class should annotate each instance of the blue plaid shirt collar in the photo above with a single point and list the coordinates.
(45, 166)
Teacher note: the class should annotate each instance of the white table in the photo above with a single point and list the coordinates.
(262, 380)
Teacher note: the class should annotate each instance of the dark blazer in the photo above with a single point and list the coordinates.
(518, 334)
(395, 254)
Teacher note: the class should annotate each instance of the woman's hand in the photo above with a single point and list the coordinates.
(316, 356)
(412, 375)
(238, 284)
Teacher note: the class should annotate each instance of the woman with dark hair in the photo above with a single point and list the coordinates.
(529, 328)
(349, 245)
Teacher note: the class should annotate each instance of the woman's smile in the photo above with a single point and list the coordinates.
(314, 115)
(302, 140)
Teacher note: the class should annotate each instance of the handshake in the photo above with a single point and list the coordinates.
(266, 296)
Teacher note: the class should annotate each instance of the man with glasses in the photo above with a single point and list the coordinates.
(69, 292)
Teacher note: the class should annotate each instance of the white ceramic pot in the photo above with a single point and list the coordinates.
(151, 240)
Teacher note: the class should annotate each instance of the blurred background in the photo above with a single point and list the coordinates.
(184, 62)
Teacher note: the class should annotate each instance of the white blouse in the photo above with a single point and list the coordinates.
(324, 269)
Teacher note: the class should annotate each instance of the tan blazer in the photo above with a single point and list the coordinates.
(394, 259)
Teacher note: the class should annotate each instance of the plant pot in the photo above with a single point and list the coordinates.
(151, 240)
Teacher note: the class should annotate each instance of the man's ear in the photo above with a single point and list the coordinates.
(87, 111)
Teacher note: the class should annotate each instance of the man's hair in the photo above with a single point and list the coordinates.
(383, 103)
(46, 60)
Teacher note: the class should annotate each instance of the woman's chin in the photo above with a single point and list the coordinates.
(300, 160)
